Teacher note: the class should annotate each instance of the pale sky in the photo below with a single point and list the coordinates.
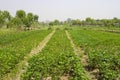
(63, 9)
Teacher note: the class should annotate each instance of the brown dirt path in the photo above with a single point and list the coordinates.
(22, 66)
(77, 51)
(80, 53)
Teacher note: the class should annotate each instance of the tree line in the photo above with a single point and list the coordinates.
(115, 22)
(22, 20)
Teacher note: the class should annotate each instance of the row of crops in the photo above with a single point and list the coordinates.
(103, 50)
(56, 61)
(15, 45)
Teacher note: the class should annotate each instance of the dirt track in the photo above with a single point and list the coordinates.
(80, 53)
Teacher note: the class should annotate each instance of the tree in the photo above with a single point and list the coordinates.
(28, 21)
(89, 21)
(20, 14)
(30, 17)
(27, 24)
(20, 20)
(76, 22)
(36, 18)
(116, 22)
(17, 22)
(51, 23)
(1, 19)
(56, 22)
(7, 16)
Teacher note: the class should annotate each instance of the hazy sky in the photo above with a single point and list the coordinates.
(63, 9)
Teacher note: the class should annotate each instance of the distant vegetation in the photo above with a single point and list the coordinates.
(22, 20)
(115, 22)
(27, 21)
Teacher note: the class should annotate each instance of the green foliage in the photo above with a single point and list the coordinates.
(28, 20)
(16, 22)
(55, 22)
(20, 14)
(56, 59)
(7, 16)
(102, 49)
(76, 22)
(36, 18)
(30, 17)
(19, 21)
(115, 22)
(1, 19)
(15, 45)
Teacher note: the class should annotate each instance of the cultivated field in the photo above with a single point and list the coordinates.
(60, 54)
